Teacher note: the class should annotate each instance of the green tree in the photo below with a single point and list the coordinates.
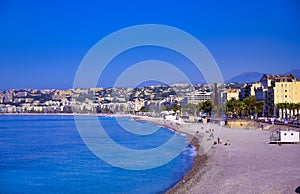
(207, 107)
(242, 109)
(176, 107)
(285, 107)
(292, 107)
(259, 107)
(166, 108)
(144, 109)
(250, 104)
(200, 106)
(190, 108)
(297, 107)
(230, 105)
(279, 107)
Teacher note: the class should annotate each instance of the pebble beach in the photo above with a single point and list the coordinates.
(243, 161)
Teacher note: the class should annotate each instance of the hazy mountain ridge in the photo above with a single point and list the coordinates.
(295, 72)
(253, 76)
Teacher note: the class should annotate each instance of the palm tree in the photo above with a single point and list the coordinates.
(250, 103)
(297, 107)
(207, 107)
(284, 109)
(279, 107)
(289, 110)
(232, 106)
(292, 109)
(190, 108)
(242, 108)
(249, 106)
(200, 107)
(237, 107)
(259, 106)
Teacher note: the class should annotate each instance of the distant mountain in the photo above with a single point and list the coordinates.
(246, 77)
(249, 77)
(295, 72)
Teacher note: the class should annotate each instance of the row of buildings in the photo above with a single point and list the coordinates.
(272, 89)
(93, 100)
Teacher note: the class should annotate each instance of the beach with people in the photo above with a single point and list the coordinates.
(238, 160)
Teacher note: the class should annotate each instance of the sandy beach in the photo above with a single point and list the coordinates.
(247, 164)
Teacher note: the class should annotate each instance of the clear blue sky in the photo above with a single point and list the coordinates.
(43, 42)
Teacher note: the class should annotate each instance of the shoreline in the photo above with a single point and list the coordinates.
(199, 164)
(243, 161)
(22, 113)
(199, 161)
(69, 114)
(247, 163)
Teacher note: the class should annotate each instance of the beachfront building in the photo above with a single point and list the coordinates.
(120, 107)
(248, 89)
(277, 89)
(232, 94)
(153, 105)
(196, 98)
(286, 92)
(135, 105)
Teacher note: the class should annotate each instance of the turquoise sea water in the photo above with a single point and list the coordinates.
(45, 154)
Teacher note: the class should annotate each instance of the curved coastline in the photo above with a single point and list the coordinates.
(235, 168)
(199, 161)
(236, 164)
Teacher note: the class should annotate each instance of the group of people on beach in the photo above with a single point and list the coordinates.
(219, 142)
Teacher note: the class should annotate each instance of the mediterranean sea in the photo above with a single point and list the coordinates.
(45, 154)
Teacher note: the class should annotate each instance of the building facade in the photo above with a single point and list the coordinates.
(196, 98)
(277, 89)
(232, 94)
